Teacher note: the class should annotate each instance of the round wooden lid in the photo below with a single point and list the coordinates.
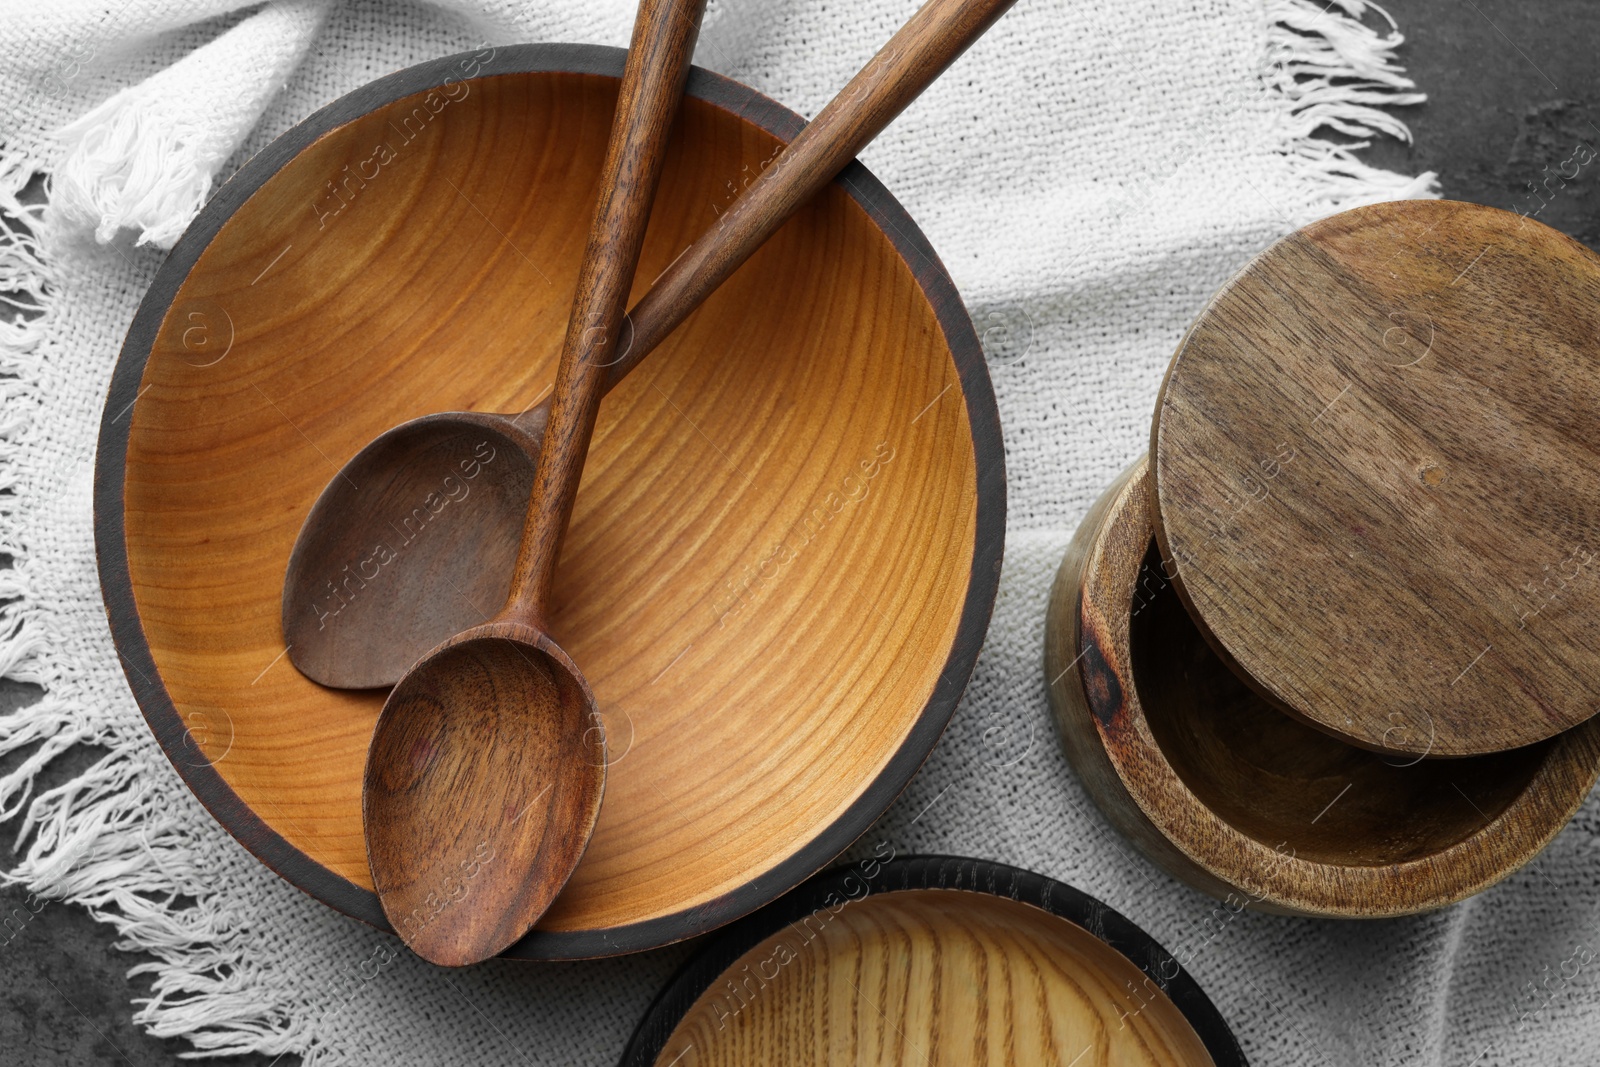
(1377, 477)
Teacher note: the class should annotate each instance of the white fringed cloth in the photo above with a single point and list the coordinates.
(1090, 173)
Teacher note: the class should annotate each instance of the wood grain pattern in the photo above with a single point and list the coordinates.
(876, 872)
(482, 787)
(435, 589)
(1219, 787)
(1376, 459)
(762, 508)
(493, 739)
(933, 977)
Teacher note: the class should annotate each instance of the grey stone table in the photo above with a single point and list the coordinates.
(1515, 89)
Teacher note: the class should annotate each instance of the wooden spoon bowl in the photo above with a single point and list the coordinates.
(933, 961)
(522, 727)
(474, 470)
(810, 460)
(1229, 794)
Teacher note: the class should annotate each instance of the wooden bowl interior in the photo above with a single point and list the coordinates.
(933, 976)
(1281, 781)
(769, 500)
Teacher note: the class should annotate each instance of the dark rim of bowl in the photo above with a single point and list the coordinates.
(873, 877)
(334, 889)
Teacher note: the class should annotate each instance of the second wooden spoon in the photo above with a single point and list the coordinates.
(484, 777)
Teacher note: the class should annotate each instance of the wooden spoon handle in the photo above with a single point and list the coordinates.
(917, 54)
(652, 83)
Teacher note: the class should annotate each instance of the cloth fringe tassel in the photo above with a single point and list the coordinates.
(110, 840)
(1334, 72)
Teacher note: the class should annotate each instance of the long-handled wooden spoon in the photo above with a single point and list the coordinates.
(344, 627)
(485, 772)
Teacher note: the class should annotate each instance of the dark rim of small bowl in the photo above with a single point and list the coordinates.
(139, 665)
(874, 877)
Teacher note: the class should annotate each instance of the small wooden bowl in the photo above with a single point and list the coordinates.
(937, 961)
(1242, 801)
(809, 463)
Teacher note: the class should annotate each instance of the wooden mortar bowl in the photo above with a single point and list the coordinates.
(808, 466)
(933, 960)
(1236, 798)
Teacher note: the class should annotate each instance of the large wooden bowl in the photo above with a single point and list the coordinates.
(787, 543)
(1236, 798)
(934, 962)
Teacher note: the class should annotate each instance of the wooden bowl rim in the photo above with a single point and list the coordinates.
(127, 631)
(922, 873)
(1326, 889)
